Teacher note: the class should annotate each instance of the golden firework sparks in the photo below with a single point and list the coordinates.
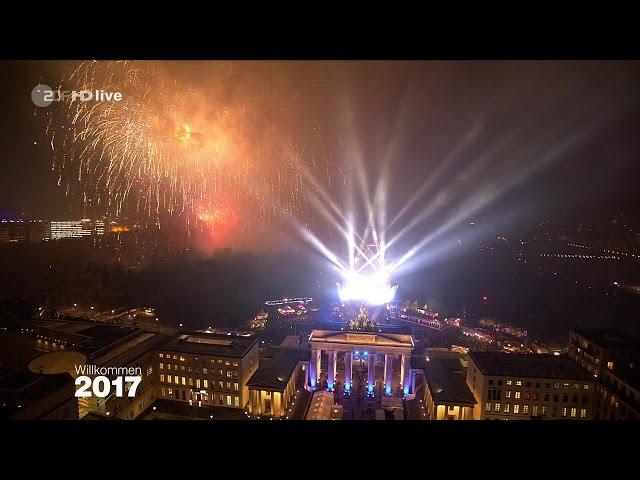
(165, 148)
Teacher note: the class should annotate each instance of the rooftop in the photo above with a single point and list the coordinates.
(526, 365)
(608, 338)
(276, 367)
(446, 380)
(199, 343)
(378, 328)
(89, 338)
(375, 338)
(22, 388)
(628, 375)
(130, 349)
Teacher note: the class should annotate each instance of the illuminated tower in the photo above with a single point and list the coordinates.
(367, 281)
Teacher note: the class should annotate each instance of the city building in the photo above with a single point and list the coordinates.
(21, 230)
(25, 395)
(76, 228)
(440, 384)
(522, 386)
(272, 387)
(614, 359)
(134, 353)
(618, 394)
(207, 369)
(597, 350)
(72, 343)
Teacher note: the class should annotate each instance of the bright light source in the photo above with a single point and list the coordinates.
(374, 288)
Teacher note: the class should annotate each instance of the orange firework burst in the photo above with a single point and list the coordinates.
(219, 220)
(166, 148)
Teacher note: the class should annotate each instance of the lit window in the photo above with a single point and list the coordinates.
(204, 370)
(184, 381)
(583, 413)
(228, 385)
(585, 386)
(487, 407)
(220, 384)
(175, 357)
(164, 393)
(236, 386)
(181, 358)
(197, 383)
(161, 356)
(517, 395)
(162, 377)
(206, 383)
(525, 409)
(508, 382)
(535, 411)
(507, 394)
(236, 401)
(176, 379)
(564, 411)
(516, 408)
(497, 407)
(227, 364)
(518, 383)
(190, 382)
(544, 411)
(162, 366)
(229, 400)
(610, 365)
(170, 393)
(573, 413)
(235, 364)
(507, 407)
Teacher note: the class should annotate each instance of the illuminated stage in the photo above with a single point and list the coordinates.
(367, 281)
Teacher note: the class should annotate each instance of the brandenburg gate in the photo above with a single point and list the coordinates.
(391, 345)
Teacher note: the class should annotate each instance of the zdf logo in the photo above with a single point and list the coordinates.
(43, 95)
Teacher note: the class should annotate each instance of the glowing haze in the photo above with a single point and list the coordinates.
(403, 155)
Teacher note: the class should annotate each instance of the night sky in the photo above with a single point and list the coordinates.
(518, 142)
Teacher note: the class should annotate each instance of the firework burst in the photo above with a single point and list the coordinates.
(169, 150)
